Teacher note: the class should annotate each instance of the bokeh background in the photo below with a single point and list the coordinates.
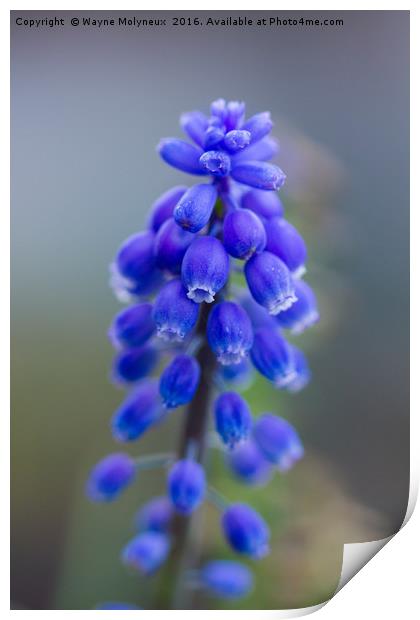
(88, 107)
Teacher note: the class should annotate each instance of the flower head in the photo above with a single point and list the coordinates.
(213, 284)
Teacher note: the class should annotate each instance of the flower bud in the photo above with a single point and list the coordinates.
(140, 410)
(146, 552)
(171, 243)
(232, 418)
(205, 269)
(243, 234)
(284, 241)
(155, 515)
(226, 579)
(270, 282)
(259, 174)
(216, 163)
(245, 530)
(194, 209)
(278, 441)
(195, 124)
(248, 464)
(229, 332)
(133, 326)
(262, 203)
(135, 262)
(272, 356)
(131, 365)
(258, 126)
(162, 209)
(110, 477)
(186, 485)
(303, 313)
(236, 140)
(179, 381)
(181, 155)
(173, 313)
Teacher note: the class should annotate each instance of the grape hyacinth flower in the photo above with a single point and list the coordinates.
(213, 286)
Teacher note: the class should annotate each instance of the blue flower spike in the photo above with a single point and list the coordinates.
(214, 287)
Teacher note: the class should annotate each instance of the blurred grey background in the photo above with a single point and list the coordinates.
(88, 107)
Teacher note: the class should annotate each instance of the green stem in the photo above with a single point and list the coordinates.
(172, 594)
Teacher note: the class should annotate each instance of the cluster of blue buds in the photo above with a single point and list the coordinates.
(219, 269)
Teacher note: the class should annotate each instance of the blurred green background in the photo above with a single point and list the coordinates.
(88, 107)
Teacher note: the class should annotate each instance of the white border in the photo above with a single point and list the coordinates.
(387, 585)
